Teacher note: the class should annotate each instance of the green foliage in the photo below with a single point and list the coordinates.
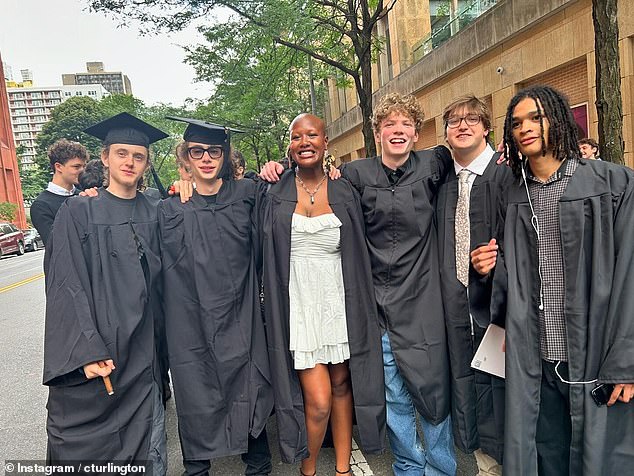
(337, 33)
(261, 87)
(8, 211)
(33, 180)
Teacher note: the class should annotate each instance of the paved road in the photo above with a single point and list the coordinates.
(23, 398)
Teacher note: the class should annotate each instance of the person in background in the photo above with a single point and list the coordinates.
(239, 164)
(183, 169)
(589, 148)
(92, 175)
(466, 213)
(564, 288)
(67, 160)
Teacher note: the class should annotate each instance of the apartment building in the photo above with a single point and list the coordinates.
(115, 82)
(30, 108)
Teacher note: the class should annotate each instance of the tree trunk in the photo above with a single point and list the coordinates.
(608, 80)
(363, 85)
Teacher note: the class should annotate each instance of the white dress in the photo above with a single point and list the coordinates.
(318, 331)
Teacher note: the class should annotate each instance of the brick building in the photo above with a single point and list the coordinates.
(10, 187)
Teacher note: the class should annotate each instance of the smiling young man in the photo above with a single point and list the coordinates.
(215, 331)
(466, 216)
(398, 192)
(564, 282)
(102, 306)
(589, 148)
(67, 160)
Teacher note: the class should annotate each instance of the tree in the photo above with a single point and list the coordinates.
(33, 179)
(608, 80)
(261, 86)
(337, 33)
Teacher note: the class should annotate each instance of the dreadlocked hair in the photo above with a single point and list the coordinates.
(562, 132)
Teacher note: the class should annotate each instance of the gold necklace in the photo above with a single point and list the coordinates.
(311, 194)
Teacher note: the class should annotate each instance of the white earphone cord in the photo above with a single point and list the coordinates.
(587, 382)
(535, 225)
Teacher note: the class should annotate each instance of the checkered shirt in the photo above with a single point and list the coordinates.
(553, 343)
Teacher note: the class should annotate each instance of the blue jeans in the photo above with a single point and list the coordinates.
(411, 458)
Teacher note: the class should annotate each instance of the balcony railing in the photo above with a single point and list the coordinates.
(444, 27)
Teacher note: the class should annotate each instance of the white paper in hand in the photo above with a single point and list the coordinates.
(489, 357)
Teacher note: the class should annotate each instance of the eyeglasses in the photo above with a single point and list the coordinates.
(197, 153)
(469, 119)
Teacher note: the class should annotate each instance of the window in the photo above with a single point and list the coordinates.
(92, 93)
(580, 113)
(67, 93)
(78, 93)
(386, 72)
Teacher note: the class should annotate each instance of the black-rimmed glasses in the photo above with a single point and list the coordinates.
(469, 119)
(196, 153)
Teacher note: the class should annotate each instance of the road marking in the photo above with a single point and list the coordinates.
(20, 283)
(22, 271)
(358, 464)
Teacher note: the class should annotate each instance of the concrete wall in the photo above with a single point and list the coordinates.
(538, 41)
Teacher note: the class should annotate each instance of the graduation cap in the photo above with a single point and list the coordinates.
(205, 132)
(124, 128)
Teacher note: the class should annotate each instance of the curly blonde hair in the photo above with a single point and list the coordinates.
(395, 102)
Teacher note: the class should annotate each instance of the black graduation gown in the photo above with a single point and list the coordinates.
(477, 397)
(100, 304)
(401, 238)
(215, 332)
(596, 217)
(364, 338)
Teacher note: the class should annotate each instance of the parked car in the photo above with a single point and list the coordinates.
(11, 239)
(32, 240)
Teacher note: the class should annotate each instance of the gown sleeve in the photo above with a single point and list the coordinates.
(497, 306)
(618, 349)
(71, 338)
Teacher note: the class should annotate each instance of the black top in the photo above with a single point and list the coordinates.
(210, 199)
(394, 175)
(43, 211)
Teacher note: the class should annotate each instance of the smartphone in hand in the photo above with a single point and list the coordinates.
(601, 393)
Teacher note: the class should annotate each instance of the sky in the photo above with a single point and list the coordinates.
(52, 37)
